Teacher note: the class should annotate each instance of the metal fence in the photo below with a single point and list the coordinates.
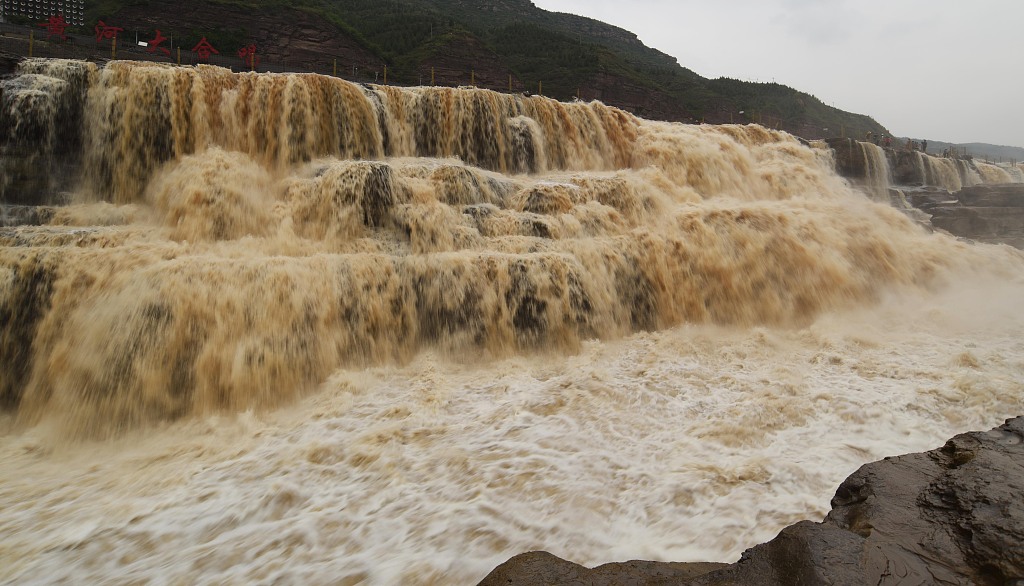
(27, 41)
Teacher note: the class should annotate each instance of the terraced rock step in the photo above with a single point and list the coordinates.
(988, 213)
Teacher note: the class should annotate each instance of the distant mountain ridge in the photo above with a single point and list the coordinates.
(494, 44)
(990, 152)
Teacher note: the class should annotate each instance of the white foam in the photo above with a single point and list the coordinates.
(688, 444)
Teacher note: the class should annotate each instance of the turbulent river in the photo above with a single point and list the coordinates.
(291, 329)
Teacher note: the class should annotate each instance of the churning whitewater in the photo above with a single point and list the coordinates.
(290, 328)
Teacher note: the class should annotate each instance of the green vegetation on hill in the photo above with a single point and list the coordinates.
(537, 54)
(564, 51)
(774, 104)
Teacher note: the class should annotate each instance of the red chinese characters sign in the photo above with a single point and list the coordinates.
(105, 31)
(154, 44)
(204, 49)
(248, 55)
(55, 26)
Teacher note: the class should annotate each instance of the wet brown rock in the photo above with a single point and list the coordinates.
(949, 516)
(850, 160)
(8, 63)
(1002, 195)
(989, 213)
(541, 567)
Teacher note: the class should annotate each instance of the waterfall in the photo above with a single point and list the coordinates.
(357, 334)
(41, 113)
(941, 172)
(877, 176)
(992, 173)
(238, 237)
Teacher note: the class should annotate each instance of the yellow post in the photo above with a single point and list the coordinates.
(431, 76)
(472, 77)
(179, 55)
(385, 75)
(252, 61)
(31, 40)
(577, 94)
(335, 68)
(113, 48)
(510, 83)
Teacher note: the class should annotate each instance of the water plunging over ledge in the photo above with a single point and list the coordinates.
(336, 332)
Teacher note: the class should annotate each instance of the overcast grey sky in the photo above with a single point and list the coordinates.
(948, 70)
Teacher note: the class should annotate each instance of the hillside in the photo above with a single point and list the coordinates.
(494, 43)
(991, 152)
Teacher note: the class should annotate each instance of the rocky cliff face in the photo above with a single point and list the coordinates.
(614, 89)
(949, 516)
(464, 60)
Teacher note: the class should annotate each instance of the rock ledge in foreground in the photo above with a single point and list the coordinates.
(954, 515)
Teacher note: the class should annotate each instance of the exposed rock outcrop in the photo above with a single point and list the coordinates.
(541, 567)
(987, 213)
(849, 156)
(949, 516)
(8, 63)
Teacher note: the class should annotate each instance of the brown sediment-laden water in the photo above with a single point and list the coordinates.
(290, 328)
